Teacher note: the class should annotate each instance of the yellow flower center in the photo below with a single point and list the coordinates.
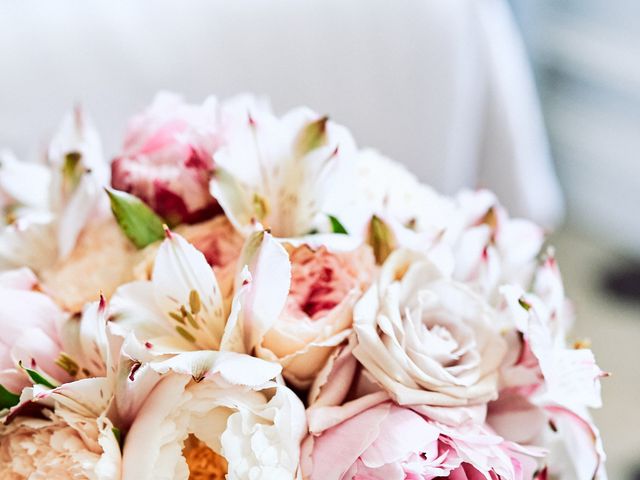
(204, 463)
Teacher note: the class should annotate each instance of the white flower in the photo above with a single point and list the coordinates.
(425, 338)
(181, 308)
(64, 434)
(417, 214)
(493, 249)
(48, 229)
(571, 375)
(220, 407)
(286, 173)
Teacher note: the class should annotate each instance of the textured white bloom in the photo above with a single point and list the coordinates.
(221, 407)
(417, 213)
(425, 338)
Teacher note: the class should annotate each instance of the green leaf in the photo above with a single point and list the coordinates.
(312, 136)
(118, 434)
(336, 226)
(381, 239)
(138, 222)
(7, 398)
(38, 378)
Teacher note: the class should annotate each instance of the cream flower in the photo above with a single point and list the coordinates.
(417, 214)
(182, 307)
(102, 257)
(425, 338)
(218, 414)
(61, 433)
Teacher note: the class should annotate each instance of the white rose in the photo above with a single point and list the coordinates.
(425, 338)
(215, 413)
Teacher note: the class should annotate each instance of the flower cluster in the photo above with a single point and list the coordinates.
(249, 296)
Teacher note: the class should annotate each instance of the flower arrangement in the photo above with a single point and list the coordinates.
(245, 296)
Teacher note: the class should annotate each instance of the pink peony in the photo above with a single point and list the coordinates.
(390, 442)
(167, 158)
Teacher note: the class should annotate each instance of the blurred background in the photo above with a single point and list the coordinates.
(586, 59)
(538, 100)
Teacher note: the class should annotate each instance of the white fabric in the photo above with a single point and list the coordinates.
(441, 85)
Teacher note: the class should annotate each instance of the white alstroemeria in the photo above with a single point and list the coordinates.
(181, 308)
(571, 375)
(425, 338)
(215, 413)
(61, 432)
(262, 287)
(26, 223)
(284, 173)
(18, 196)
(86, 342)
(493, 249)
(45, 230)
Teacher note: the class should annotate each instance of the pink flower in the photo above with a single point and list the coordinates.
(167, 158)
(318, 310)
(29, 321)
(390, 442)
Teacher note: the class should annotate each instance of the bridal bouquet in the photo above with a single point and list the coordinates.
(246, 296)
